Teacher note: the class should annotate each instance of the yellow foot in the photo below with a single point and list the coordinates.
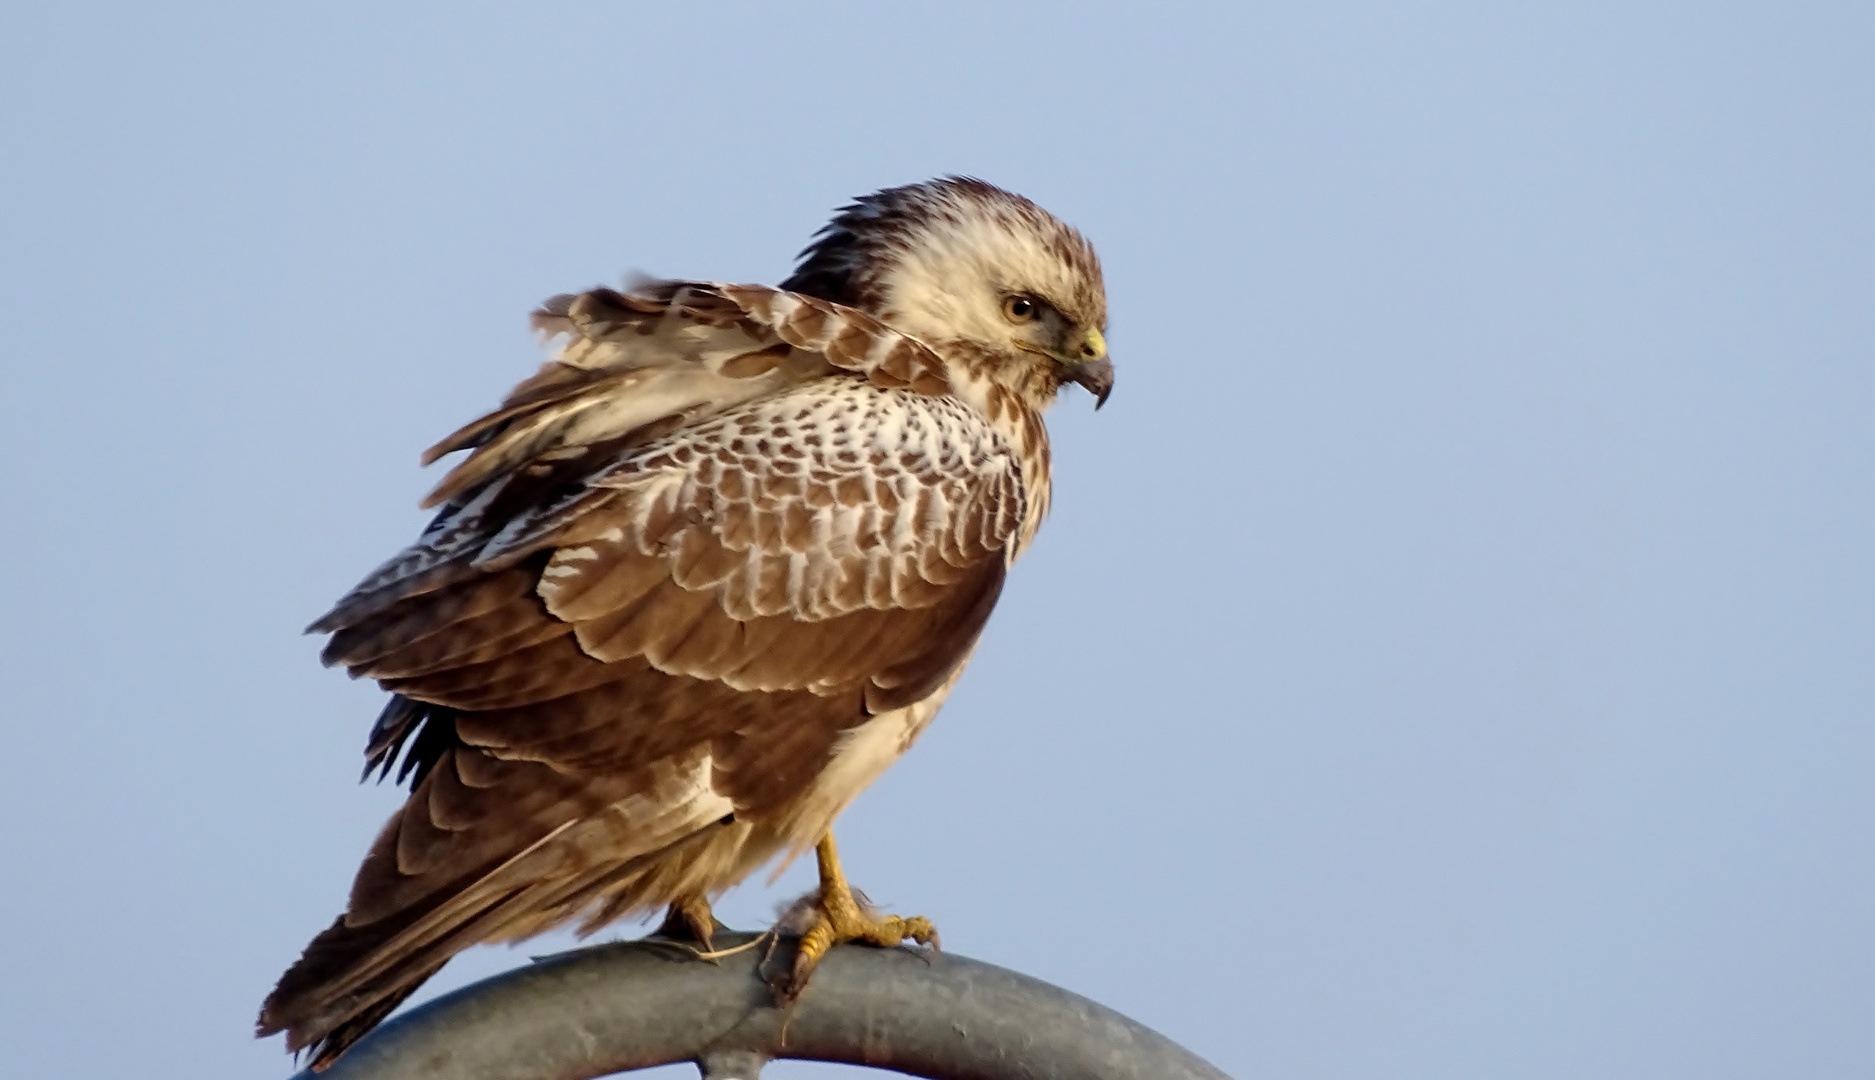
(690, 919)
(836, 915)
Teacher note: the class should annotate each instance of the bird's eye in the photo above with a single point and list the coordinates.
(1018, 309)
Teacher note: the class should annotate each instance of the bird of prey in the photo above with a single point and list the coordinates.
(696, 584)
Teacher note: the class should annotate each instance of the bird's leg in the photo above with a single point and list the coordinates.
(837, 915)
(690, 919)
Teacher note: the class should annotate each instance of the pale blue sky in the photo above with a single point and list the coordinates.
(1450, 655)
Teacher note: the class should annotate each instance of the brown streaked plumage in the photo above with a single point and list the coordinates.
(697, 582)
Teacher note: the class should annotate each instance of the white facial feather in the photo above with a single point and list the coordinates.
(951, 277)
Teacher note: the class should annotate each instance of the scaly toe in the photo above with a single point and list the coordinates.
(834, 913)
(834, 923)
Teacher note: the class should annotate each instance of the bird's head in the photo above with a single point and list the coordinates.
(971, 269)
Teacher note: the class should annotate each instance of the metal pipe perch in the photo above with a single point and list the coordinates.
(631, 1005)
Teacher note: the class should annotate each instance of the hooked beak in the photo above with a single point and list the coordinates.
(1091, 369)
(1096, 376)
(1086, 366)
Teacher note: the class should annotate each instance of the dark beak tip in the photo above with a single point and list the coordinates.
(1096, 377)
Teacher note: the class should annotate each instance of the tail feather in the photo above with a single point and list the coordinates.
(355, 1027)
(359, 969)
(302, 1006)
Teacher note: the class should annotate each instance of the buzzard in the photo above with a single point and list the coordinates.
(697, 583)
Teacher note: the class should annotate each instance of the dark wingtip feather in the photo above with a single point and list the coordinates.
(388, 735)
(435, 730)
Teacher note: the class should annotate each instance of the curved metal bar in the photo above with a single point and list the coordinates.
(610, 1008)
